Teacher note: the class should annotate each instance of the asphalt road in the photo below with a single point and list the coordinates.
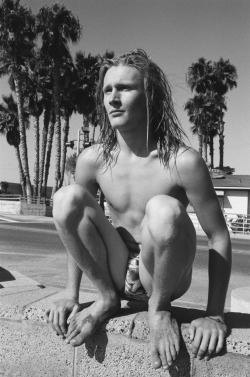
(35, 250)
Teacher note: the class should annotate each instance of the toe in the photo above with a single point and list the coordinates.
(78, 340)
(156, 361)
(173, 352)
(72, 335)
(163, 358)
(169, 356)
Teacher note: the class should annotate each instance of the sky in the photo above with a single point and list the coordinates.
(175, 33)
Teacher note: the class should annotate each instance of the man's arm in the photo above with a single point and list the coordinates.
(209, 333)
(85, 176)
(62, 310)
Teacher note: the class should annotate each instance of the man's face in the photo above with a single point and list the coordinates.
(124, 97)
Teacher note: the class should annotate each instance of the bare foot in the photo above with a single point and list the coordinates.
(86, 322)
(164, 339)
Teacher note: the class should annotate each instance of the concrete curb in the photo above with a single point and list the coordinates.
(120, 348)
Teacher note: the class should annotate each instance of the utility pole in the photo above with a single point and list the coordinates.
(84, 131)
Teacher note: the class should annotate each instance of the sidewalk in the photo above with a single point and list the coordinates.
(29, 347)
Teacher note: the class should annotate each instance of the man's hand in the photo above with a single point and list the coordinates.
(60, 314)
(208, 337)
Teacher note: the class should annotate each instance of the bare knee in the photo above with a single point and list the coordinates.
(68, 204)
(163, 218)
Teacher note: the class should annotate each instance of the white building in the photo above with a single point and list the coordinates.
(233, 192)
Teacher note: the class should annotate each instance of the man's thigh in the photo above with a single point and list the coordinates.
(182, 249)
(116, 249)
(95, 231)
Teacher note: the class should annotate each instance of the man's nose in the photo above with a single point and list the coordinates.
(114, 97)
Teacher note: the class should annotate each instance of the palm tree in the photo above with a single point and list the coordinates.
(46, 82)
(57, 26)
(34, 97)
(70, 75)
(9, 126)
(225, 79)
(213, 80)
(200, 76)
(49, 148)
(196, 111)
(88, 71)
(17, 38)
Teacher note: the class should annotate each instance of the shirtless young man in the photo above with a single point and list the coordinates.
(148, 177)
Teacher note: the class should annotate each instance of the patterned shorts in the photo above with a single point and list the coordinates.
(133, 288)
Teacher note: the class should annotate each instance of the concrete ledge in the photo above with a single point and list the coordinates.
(240, 300)
(120, 348)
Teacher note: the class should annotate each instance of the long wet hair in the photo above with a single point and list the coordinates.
(161, 117)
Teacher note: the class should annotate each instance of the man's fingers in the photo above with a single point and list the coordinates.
(47, 313)
(191, 331)
(212, 345)
(197, 342)
(74, 311)
(220, 343)
(204, 345)
(56, 324)
(51, 319)
(63, 321)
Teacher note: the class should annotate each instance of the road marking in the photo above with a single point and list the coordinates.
(7, 220)
(234, 251)
(24, 254)
(26, 229)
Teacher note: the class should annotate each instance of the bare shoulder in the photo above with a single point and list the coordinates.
(90, 156)
(191, 168)
(88, 164)
(188, 160)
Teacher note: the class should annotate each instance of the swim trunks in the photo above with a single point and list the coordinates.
(133, 289)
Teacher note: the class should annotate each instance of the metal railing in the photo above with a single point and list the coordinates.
(20, 198)
(236, 223)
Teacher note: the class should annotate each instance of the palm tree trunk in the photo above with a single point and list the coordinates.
(211, 147)
(48, 155)
(37, 150)
(22, 130)
(64, 148)
(221, 147)
(56, 96)
(93, 135)
(21, 174)
(200, 143)
(221, 143)
(205, 148)
(43, 149)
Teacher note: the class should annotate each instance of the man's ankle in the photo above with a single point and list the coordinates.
(158, 305)
(71, 294)
(110, 297)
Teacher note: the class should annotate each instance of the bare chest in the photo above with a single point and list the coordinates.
(129, 186)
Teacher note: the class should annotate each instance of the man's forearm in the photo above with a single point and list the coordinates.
(74, 277)
(220, 260)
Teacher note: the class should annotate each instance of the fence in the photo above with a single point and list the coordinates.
(17, 204)
(20, 198)
(236, 223)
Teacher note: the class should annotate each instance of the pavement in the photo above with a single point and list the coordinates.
(29, 347)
